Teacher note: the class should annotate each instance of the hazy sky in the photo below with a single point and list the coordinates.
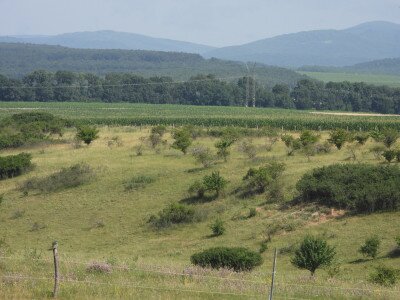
(213, 22)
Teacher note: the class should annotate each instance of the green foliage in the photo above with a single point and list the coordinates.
(385, 276)
(259, 180)
(248, 148)
(214, 182)
(14, 165)
(182, 139)
(218, 227)
(307, 137)
(390, 137)
(291, 143)
(238, 259)
(397, 239)
(263, 246)
(198, 189)
(389, 155)
(370, 247)
(87, 134)
(313, 253)
(66, 178)
(159, 129)
(361, 137)
(138, 182)
(252, 212)
(339, 137)
(357, 187)
(223, 147)
(203, 156)
(175, 213)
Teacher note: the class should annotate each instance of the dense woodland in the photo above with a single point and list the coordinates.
(65, 86)
(17, 60)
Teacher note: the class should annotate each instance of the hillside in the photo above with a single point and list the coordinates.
(16, 60)
(108, 39)
(365, 42)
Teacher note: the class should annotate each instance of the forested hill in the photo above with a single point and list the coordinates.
(16, 60)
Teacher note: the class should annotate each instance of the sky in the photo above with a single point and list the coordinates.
(210, 22)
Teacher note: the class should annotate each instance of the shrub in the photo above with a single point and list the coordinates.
(247, 147)
(156, 135)
(358, 187)
(182, 141)
(263, 246)
(397, 239)
(258, 180)
(238, 259)
(203, 156)
(291, 143)
(198, 189)
(252, 212)
(159, 129)
(214, 182)
(223, 147)
(175, 213)
(313, 253)
(99, 267)
(138, 182)
(389, 155)
(217, 227)
(70, 177)
(361, 137)
(385, 276)
(390, 137)
(370, 247)
(307, 137)
(378, 151)
(87, 134)
(339, 137)
(139, 149)
(14, 165)
(325, 147)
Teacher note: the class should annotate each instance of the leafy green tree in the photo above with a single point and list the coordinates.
(389, 155)
(307, 137)
(362, 137)
(214, 182)
(338, 138)
(223, 147)
(370, 247)
(313, 253)
(291, 143)
(87, 134)
(183, 140)
(218, 227)
(258, 180)
(390, 137)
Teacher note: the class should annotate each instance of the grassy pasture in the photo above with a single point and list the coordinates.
(101, 222)
(376, 79)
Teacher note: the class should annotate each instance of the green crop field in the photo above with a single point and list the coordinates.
(101, 223)
(153, 114)
(376, 79)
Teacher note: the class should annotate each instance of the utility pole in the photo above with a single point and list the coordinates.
(271, 293)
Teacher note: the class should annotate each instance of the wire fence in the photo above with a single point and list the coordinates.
(262, 290)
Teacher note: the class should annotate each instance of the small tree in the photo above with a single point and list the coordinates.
(389, 155)
(248, 148)
(308, 138)
(291, 143)
(183, 140)
(203, 156)
(223, 147)
(214, 182)
(87, 134)
(361, 137)
(339, 137)
(217, 227)
(390, 137)
(258, 180)
(313, 253)
(198, 189)
(370, 247)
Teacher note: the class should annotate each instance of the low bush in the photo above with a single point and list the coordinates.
(258, 180)
(385, 276)
(248, 148)
(203, 156)
(70, 177)
(238, 259)
(14, 165)
(87, 134)
(99, 268)
(370, 247)
(217, 227)
(138, 182)
(175, 213)
(198, 189)
(357, 187)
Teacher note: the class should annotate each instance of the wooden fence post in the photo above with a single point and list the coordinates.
(273, 276)
(56, 275)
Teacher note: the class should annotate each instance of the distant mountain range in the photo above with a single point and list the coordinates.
(362, 43)
(334, 48)
(18, 59)
(108, 39)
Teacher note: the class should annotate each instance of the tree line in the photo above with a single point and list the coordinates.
(63, 86)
